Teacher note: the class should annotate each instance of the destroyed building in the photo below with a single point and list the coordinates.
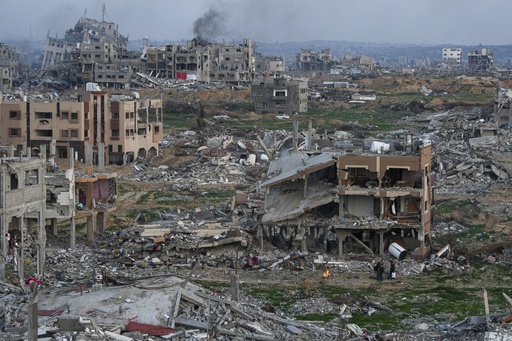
(480, 60)
(502, 108)
(272, 65)
(9, 66)
(309, 60)
(366, 198)
(96, 195)
(128, 127)
(280, 95)
(230, 63)
(22, 212)
(91, 51)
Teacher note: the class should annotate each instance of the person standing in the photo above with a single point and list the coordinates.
(380, 271)
(392, 270)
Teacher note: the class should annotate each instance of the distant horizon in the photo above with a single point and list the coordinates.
(396, 22)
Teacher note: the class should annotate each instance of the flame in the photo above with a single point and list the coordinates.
(327, 273)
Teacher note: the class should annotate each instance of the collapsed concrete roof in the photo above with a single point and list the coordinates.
(291, 202)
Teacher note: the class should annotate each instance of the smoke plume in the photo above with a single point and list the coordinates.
(209, 26)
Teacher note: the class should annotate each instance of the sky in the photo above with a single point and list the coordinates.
(458, 22)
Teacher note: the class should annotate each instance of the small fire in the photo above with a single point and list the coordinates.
(327, 273)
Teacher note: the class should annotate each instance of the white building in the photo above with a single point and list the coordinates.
(452, 55)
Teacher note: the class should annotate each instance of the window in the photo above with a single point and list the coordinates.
(115, 132)
(115, 115)
(14, 181)
(127, 115)
(46, 115)
(74, 133)
(65, 115)
(157, 129)
(264, 104)
(14, 115)
(86, 133)
(64, 133)
(14, 132)
(119, 148)
(31, 177)
(74, 116)
(44, 133)
(86, 116)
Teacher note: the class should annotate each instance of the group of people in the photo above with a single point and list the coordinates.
(384, 267)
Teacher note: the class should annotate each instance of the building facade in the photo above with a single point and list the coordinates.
(480, 60)
(309, 60)
(452, 55)
(127, 129)
(9, 66)
(280, 95)
(362, 201)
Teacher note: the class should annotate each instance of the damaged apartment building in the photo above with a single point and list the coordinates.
(128, 127)
(9, 66)
(309, 60)
(365, 198)
(280, 95)
(35, 194)
(212, 62)
(92, 51)
(22, 213)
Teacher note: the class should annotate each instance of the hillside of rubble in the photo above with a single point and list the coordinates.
(183, 239)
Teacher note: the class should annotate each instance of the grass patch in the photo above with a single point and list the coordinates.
(452, 206)
(276, 296)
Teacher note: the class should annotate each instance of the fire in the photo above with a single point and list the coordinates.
(327, 273)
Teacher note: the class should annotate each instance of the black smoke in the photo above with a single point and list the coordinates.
(209, 26)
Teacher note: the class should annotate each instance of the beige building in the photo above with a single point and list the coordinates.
(9, 66)
(127, 128)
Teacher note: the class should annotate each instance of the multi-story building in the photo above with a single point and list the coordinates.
(22, 212)
(309, 60)
(9, 66)
(128, 128)
(480, 60)
(270, 65)
(365, 200)
(233, 64)
(280, 95)
(452, 55)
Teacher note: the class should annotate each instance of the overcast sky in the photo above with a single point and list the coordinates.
(464, 22)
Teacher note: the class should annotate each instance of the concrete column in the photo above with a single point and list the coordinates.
(381, 243)
(101, 157)
(295, 135)
(54, 226)
(21, 259)
(100, 222)
(233, 279)
(41, 252)
(5, 245)
(340, 247)
(90, 229)
(88, 154)
(33, 320)
(72, 232)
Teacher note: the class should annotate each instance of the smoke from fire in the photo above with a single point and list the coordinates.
(209, 26)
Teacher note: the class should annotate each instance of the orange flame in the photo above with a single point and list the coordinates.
(326, 273)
